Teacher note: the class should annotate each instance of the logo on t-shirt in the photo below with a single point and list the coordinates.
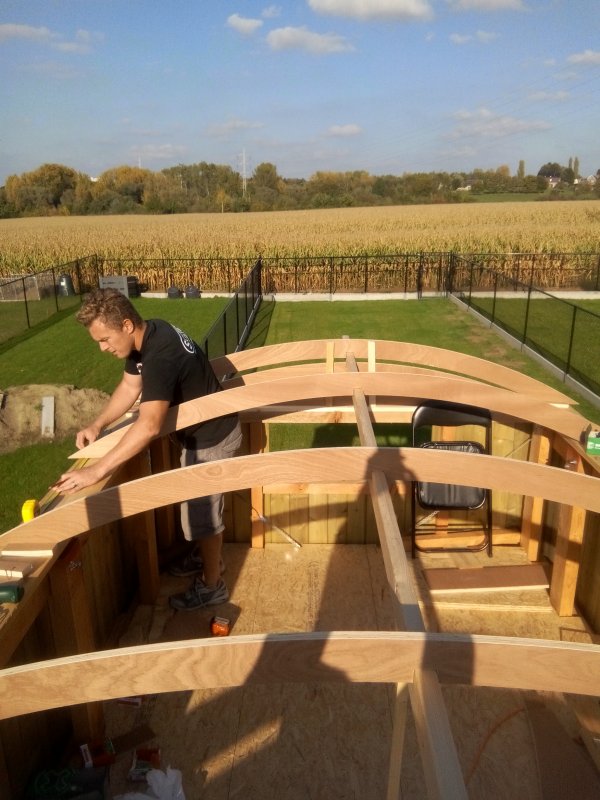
(185, 341)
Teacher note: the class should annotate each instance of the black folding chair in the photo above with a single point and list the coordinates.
(435, 497)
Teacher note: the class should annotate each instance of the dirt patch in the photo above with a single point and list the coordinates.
(21, 412)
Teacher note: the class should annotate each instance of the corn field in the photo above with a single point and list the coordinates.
(30, 245)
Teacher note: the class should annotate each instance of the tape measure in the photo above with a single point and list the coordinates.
(29, 510)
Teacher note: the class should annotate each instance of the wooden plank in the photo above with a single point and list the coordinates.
(438, 751)
(257, 442)
(567, 553)
(533, 507)
(73, 630)
(162, 459)
(407, 352)
(499, 578)
(361, 656)
(564, 769)
(406, 387)
(347, 463)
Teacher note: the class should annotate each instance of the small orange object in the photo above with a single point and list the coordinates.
(219, 626)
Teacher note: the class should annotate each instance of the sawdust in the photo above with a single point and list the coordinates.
(21, 410)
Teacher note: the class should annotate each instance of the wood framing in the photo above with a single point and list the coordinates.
(360, 656)
(334, 380)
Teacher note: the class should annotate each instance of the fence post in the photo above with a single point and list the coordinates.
(571, 337)
(494, 298)
(366, 283)
(54, 285)
(523, 340)
(420, 276)
(25, 301)
(470, 281)
(331, 276)
(598, 274)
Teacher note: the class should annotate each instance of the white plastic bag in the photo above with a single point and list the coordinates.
(162, 786)
(166, 785)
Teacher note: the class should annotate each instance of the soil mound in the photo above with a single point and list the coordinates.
(21, 412)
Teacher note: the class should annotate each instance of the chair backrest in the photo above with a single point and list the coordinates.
(437, 412)
(449, 495)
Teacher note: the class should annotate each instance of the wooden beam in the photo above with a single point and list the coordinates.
(438, 751)
(321, 656)
(405, 352)
(533, 507)
(404, 388)
(352, 464)
(73, 630)
(567, 552)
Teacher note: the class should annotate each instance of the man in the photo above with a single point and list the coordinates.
(163, 367)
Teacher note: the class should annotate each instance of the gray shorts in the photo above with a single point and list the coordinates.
(203, 516)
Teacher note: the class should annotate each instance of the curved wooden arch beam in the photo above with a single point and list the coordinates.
(388, 350)
(352, 464)
(294, 370)
(405, 388)
(341, 657)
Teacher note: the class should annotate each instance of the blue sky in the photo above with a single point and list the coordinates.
(388, 86)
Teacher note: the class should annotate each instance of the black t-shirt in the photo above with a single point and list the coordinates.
(174, 368)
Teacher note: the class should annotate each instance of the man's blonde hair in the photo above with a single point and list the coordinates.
(108, 306)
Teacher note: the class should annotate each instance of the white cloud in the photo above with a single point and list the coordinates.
(303, 39)
(552, 97)
(270, 12)
(158, 152)
(484, 123)
(81, 44)
(460, 38)
(232, 125)
(487, 5)
(344, 130)
(403, 10)
(587, 57)
(10, 31)
(481, 36)
(244, 25)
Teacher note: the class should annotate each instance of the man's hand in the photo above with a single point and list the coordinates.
(87, 435)
(75, 480)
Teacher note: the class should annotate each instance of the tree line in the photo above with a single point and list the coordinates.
(57, 189)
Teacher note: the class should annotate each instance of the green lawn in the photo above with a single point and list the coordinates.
(64, 353)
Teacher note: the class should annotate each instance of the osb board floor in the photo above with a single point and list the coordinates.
(332, 741)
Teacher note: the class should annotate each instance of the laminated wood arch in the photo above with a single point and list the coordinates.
(364, 657)
(391, 351)
(404, 388)
(316, 465)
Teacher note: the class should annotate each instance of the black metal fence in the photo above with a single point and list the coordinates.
(231, 330)
(565, 333)
(28, 300)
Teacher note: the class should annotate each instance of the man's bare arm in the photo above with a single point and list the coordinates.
(138, 436)
(121, 400)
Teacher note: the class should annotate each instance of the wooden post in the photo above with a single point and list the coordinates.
(161, 459)
(258, 444)
(533, 507)
(73, 630)
(143, 529)
(567, 553)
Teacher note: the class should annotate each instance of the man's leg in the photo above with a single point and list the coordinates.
(210, 550)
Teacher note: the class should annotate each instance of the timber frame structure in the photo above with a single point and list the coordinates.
(555, 483)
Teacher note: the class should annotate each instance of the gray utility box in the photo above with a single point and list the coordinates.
(126, 284)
